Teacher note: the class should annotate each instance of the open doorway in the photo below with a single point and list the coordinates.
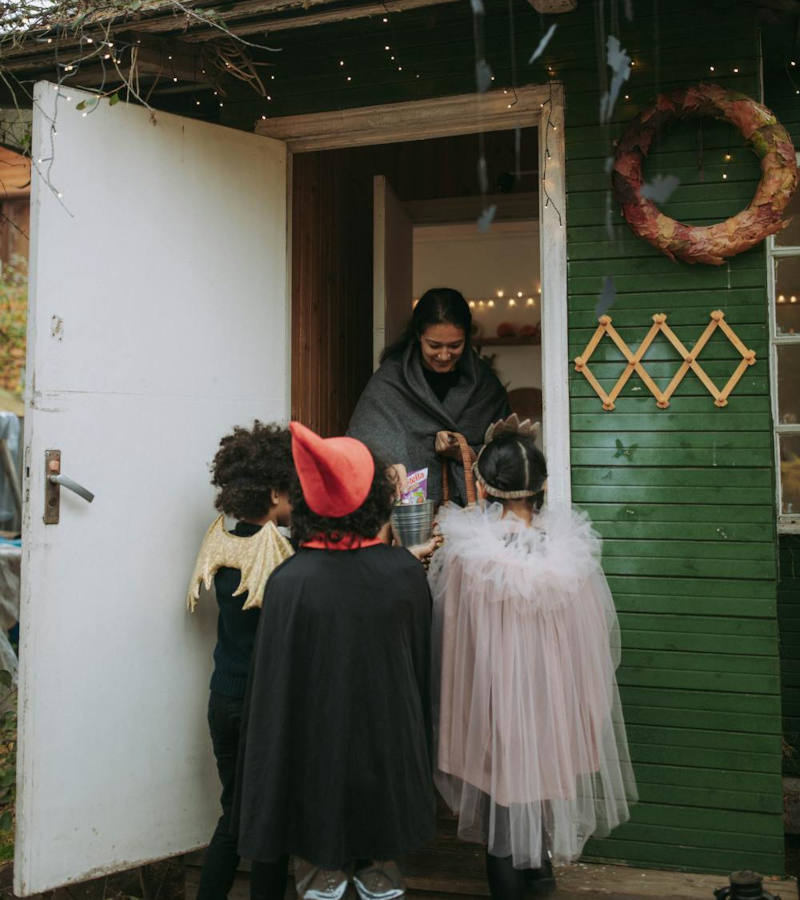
(335, 156)
(354, 274)
(498, 273)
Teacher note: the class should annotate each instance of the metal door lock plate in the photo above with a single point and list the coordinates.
(52, 490)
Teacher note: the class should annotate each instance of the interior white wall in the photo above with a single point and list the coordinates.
(505, 259)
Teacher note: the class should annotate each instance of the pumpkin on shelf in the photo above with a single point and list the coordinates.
(506, 329)
(530, 331)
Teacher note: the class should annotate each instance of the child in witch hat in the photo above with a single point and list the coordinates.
(336, 763)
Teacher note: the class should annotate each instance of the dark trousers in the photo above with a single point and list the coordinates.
(222, 858)
(267, 880)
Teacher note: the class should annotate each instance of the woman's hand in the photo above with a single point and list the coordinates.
(447, 444)
(399, 476)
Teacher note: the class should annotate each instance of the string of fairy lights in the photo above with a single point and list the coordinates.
(116, 53)
(512, 300)
(515, 299)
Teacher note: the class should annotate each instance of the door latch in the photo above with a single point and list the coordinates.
(53, 483)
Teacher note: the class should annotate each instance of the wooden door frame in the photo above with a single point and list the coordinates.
(534, 105)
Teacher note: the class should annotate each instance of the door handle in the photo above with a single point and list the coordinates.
(70, 485)
(53, 483)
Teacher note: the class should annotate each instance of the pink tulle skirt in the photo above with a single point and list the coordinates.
(531, 746)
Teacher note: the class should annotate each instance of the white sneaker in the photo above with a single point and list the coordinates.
(381, 880)
(314, 883)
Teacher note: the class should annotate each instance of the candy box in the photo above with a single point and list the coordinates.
(417, 491)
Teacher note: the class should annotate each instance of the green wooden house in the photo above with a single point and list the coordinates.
(699, 505)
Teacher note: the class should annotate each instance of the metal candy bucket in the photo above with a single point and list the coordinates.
(413, 522)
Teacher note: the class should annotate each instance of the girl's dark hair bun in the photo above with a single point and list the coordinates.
(513, 462)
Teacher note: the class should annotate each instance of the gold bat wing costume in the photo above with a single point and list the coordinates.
(256, 557)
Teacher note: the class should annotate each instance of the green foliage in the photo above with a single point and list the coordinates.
(13, 324)
(8, 757)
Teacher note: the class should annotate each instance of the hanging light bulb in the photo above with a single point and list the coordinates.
(491, 303)
(530, 302)
(793, 299)
(519, 293)
(472, 304)
(781, 298)
(512, 302)
(500, 293)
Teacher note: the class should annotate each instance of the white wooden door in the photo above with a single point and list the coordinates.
(158, 320)
(393, 259)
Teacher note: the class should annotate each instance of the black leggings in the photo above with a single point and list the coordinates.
(505, 882)
(268, 880)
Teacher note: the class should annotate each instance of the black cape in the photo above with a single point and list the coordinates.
(335, 759)
(398, 414)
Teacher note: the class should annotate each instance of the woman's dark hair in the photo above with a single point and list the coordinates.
(502, 465)
(435, 307)
(248, 466)
(365, 522)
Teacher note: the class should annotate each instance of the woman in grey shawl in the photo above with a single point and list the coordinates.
(430, 384)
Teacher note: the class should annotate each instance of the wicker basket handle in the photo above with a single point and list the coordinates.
(469, 478)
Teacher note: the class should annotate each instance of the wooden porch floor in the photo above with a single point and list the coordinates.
(579, 882)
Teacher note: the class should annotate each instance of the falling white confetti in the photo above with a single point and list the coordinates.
(620, 64)
(483, 76)
(486, 217)
(543, 43)
(660, 188)
(483, 176)
(607, 297)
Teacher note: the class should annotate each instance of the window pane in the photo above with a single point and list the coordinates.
(789, 385)
(787, 295)
(790, 473)
(790, 236)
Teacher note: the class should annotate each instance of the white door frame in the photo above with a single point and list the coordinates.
(534, 105)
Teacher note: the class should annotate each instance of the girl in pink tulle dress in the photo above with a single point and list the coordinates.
(531, 747)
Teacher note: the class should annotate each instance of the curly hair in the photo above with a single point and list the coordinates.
(365, 522)
(248, 466)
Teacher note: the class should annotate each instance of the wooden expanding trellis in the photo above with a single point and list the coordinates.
(689, 360)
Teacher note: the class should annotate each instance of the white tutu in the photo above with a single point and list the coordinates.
(531, 744)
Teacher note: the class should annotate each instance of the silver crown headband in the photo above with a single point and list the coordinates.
(511, 425)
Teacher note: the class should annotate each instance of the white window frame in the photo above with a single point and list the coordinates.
(533, 105)
(787, 523)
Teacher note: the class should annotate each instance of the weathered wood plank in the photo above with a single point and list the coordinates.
(743, 629)
(667, 420)
(721, 438)
(695, 587)
(690, 477)
(690, 857)
(706, 642)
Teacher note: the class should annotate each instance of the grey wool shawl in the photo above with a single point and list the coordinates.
(398, 414)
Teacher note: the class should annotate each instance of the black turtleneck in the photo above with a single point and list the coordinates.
(440, 382)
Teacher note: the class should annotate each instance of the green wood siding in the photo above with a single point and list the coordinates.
(688, 511)
(781, 98)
